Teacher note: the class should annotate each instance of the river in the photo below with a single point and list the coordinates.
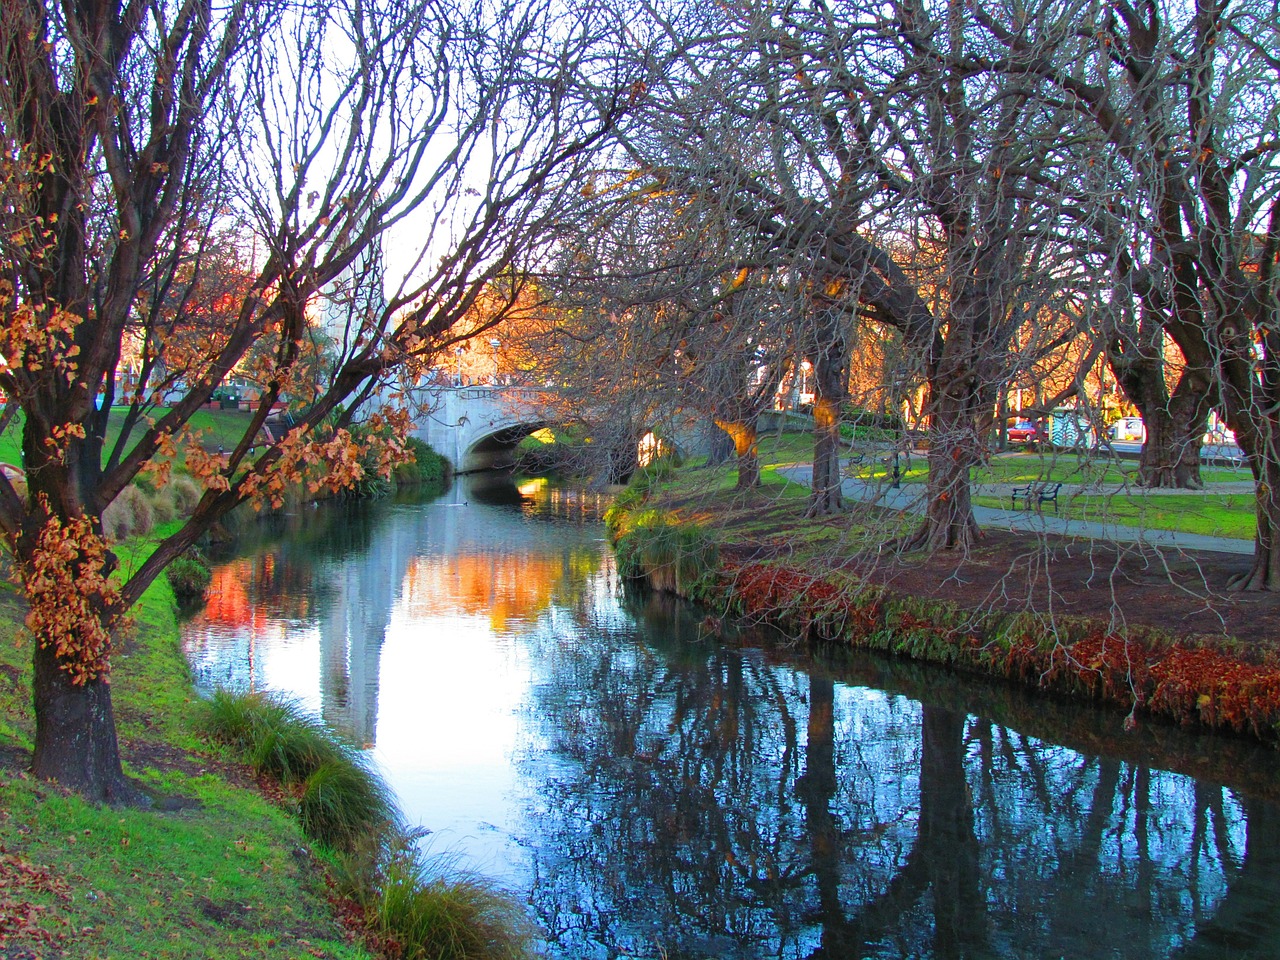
(652, 783)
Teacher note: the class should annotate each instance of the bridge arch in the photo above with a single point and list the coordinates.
(496, 451)
(478, 428)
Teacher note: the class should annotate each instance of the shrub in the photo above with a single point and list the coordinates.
(427, 467)
(860, 417)
(675, 556)
(190, 576)
(128, 515)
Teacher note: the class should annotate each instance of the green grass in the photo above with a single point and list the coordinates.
(215, 877)
(218, 428)
(1030, 467)
(1209, 514)
(789, 447)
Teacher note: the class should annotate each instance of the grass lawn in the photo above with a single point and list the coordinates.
(1220, 515)
(1048, 466)
(217, 428)
(1210, 514)
(214, 874)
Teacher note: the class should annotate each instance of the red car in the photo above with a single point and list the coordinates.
(1022, 431)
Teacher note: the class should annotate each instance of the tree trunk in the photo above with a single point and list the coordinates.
(1265, 572)
(621, 459)
(953, 449)
(76, 734)
(722, 447)
(828, 375)
(1174, 425)
(746, 449)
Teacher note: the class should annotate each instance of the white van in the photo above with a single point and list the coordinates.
(1129, 430)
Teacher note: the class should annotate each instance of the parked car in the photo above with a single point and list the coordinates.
(1021, 431)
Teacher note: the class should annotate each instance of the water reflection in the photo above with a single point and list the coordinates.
(652, 792)
(713, 804)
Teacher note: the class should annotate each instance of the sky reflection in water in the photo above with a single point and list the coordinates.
(651, 793)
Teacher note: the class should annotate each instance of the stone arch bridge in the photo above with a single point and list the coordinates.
(478, 427)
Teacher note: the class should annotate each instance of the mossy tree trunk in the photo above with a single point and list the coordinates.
(746, 449)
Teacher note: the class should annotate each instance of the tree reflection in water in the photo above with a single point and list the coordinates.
(685, 798)
(692, 799)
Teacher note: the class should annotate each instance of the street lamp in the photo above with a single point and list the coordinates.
(457, 374)
(494, 344)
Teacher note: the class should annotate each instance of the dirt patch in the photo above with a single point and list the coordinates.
(13, 758)
(1183, 594)
(162, 756)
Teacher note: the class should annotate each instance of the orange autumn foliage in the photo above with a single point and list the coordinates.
(68, 589)
(1179, 681)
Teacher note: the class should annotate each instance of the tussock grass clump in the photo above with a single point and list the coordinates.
(128, 515)
(275, 736)
(410, 900)
(162, 509)
(184, 493)
(343, 803)
(434, 912)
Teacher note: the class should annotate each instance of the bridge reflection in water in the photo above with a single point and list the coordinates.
(649, 792)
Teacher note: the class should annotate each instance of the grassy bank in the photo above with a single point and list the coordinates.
(214, 871)
(216, 429)
(755, 555)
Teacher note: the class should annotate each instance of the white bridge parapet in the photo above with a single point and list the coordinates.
(478, 427)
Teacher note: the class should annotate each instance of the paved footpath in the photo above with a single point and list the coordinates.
(909, 498)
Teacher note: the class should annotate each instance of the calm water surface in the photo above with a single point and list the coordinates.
(651, 792)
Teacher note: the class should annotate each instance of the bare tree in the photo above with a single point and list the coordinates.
(1186, 98)
(134, 133)
(867, 152)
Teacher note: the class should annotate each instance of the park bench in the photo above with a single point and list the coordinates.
(1039, 493)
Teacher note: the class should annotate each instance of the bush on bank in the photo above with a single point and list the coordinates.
(1141, 671)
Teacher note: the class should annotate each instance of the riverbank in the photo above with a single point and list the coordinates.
(1152, 631)
(214, 870)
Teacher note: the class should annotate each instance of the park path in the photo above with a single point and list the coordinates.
(909, 498)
